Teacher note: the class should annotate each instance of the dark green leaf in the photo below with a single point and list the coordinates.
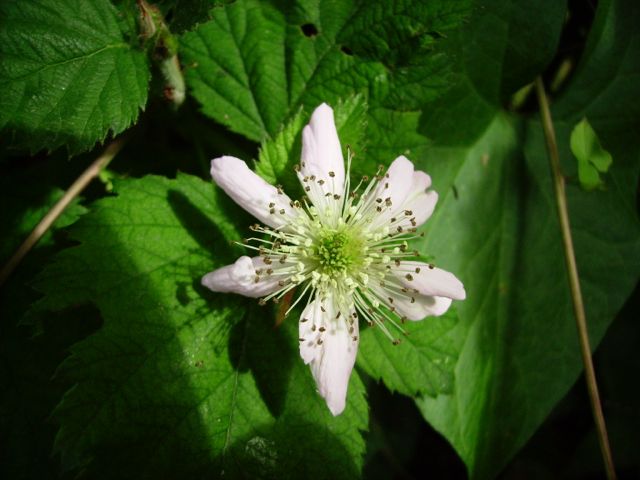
(254, 64)
(496, 227)
(507, 44)
(181, 381)
(70, 73)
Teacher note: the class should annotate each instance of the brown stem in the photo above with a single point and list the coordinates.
(52, 215)
(574, 280)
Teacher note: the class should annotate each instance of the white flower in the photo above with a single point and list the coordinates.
(344, 249)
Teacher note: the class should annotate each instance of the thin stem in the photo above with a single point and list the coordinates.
(52, 215)
(574, 281)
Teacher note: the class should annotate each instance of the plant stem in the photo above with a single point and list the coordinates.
(574, 281)
(52, 215)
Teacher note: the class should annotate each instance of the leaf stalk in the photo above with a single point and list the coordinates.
(52, 215)
(574, 280)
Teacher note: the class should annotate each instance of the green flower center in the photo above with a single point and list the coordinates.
(339, 251)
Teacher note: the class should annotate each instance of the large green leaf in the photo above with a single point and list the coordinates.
(255, 63)
(181, 381)
(496, 227)
(508, 43)
(69, 72)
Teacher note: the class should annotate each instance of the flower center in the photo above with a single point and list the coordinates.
(339, 251)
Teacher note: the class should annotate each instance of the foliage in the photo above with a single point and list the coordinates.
(155, 376)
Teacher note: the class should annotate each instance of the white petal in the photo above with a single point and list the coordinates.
(422, 207)
(321, 151)
(240, 277)
(429, 280)
(251, 192)
(332, 359)
(397, 183)
(422, 306)
(419, 201)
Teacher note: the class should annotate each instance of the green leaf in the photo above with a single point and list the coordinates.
(181, 381)
(279, 155)
(496, 228)
(254, 64)
(507, 44)
(592, 158)
(422, 364)
(69, 73)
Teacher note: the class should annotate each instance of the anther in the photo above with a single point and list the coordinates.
(282, 210)
(307, 188)
(396, 341)
(319, 341)
(321, 329)
(355, 338)
(413, 300)
(409, 277)
(408, 213)
(336, 197)
(302, 320)
(332, 174)
(262, 302)
(322, 309)
(417, 269)
(313, 327)
(431, 266)
(301, 339)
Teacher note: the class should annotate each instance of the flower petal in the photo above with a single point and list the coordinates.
(430, 280)
(420, 202)
(397, 183)
(331, 352)
(322, 172)
(240, 277)
(424, 306)
(251, 192)
(411, 203)
(321, 151)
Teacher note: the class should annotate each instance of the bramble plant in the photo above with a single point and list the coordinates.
(119, 361)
